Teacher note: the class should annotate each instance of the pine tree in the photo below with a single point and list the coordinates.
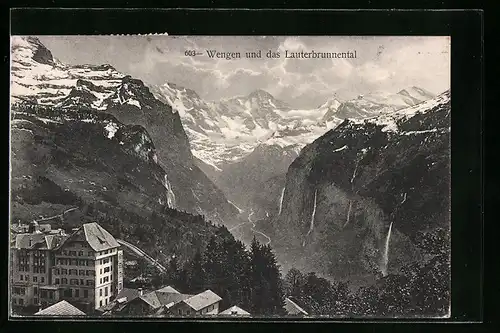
(196, 274)
(267, 290)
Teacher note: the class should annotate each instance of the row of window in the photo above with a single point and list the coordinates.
(81, 272)
(35, 278)
(76, 293)
(18, 301)
(80, 253)
(73, 262)
(105, 291)
(47, 294)
(19, 291)
(106, 301)
(76, 282)
(203, 311)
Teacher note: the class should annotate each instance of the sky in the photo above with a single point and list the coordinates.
(383, 63)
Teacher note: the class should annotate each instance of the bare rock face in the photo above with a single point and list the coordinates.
(358, 199)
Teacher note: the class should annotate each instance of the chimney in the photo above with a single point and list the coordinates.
(140, 291)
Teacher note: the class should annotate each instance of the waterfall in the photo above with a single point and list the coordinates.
(281, 199)
(386, 252)
(354, 172)
(311, 227)
(170, 193)
(348, 213)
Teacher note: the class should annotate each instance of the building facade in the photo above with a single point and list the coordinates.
(84, 268)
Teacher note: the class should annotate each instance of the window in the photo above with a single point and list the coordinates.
(74, 262)
(35, 279)
(100, 272)
(64, 271)
(77, 292)
(106, 291)
(90, 253)
(72, 253)
(106, 269)
(43, 279)
(36, 300)
(51, 294)
(100, 281)
(21, 301)
(100, 303)
(64, 281)
(100, 292)
(180, 312)
(87, 272)
(81, 282)
(188, 312)
(15, 300)
(57, 281)
(86, 293)
(81, 272)
(57, 271)
(43, 293)
(80, 253)
(20, 277)
(35, 290)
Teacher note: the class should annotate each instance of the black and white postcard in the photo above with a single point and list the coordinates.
(230, 177)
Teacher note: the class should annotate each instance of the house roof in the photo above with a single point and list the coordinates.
(129, 293)
(151, 299)
(169, 299)
(37, 241)
(168, 289)
(292, 308)
(202, 300)
(235, 310)
(98, 238)
(62, 308)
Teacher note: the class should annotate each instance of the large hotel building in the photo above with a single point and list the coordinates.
(84, 268)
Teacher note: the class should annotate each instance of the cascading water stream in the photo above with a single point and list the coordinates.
(311, 227)
(385, 259)
(281, 200)
(170, 192)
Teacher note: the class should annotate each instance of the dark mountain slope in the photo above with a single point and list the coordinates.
(351, 186)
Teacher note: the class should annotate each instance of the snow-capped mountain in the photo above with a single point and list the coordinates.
(225, 131)
(38, 78)
(377, 103)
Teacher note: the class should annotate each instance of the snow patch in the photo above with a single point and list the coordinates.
(111, 128)
(340, 149)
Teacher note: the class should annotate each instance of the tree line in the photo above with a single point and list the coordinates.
(248, 278)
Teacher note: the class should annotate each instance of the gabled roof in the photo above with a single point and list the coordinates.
(159, 298)
(292, 308)
(128, 293)
(151, 299)
(168, 289)
(98, 238)
(37, 241)
(235, 310)
(202, 300)
(169, 299)
(62, 308)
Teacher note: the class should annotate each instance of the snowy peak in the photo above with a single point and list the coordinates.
(38, 77)
(31, 48)
(416, 93)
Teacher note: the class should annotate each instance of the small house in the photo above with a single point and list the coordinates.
(205, 303)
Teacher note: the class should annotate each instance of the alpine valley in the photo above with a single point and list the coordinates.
(354, 190)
